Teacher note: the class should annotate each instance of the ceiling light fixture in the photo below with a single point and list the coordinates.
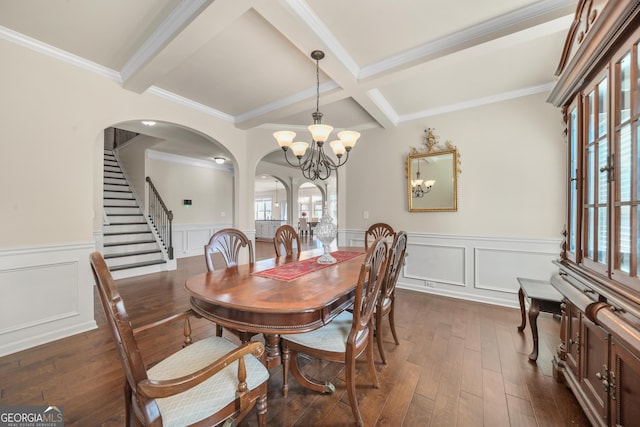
(219, 160)
(316, 164)
(148, 123)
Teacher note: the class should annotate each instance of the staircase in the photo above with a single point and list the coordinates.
(130, 247)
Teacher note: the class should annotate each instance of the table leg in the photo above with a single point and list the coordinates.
(534, 310)
(524, 319)
(272, 349)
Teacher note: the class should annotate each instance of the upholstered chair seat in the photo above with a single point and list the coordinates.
(210, 396)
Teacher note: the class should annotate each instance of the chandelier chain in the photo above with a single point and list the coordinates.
(317, 85)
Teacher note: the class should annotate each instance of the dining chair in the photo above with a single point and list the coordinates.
(377, 230)
(346, 337)
(228, 242)
(387, 299)
(303, 227)
(284, 241)
(202, 384)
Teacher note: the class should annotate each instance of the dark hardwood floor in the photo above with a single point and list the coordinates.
(459, 363)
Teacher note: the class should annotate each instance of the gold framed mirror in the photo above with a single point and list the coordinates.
(432, 177)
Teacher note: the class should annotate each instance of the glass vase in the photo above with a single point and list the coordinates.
(326, 233)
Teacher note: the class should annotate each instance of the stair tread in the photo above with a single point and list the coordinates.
(137, 242)
(135, 253)
(128, 243)
(136, 265)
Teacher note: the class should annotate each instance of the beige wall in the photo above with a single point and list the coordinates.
(132, 157)
(210, 190)
(512, 182)
(54, 114)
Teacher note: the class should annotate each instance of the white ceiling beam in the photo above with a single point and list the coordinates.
(187, 29)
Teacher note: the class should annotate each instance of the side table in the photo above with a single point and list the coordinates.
(544, 297)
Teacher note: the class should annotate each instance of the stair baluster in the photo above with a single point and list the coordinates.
(161, 217)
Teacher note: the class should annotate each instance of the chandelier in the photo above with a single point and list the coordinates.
(316, 164)
(420, 187)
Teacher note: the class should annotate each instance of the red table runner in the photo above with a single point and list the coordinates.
(293, 270)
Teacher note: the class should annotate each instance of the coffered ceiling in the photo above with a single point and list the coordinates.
(247, 61)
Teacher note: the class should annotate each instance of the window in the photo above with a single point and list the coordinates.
(317, 206)
(263, 208)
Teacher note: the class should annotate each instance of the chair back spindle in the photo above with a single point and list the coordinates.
(379, 229)
(228, 242)
(284, 241)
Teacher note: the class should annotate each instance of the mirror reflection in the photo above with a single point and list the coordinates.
(432, 181)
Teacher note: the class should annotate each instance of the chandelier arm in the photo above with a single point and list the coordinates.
(344, 157)
(309, 158)
(286, 157)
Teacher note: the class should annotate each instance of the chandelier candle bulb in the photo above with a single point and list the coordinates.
(299, 148)
(349, 138)
(284, 138)
(338, 148)
(320, 132)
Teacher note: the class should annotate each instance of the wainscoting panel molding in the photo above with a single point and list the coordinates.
(436, 264)
(47, 294)
(491, 274)
(189, 239)
(476, 268)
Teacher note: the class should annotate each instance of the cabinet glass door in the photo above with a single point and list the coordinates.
(597, 176)
(574, 184)
(626, 178)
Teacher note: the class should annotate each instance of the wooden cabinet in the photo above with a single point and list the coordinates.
(600, 362)
(266, 229)
(594, 367)
(572, 342)
(625, 385)
(598, 91)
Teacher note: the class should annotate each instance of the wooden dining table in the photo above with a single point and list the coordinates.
(284, 295)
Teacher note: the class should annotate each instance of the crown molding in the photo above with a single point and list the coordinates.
(483, 31)
(54, 52)
(189, 161)
(478, 102)
(190, 103)
(285, 102)
(179, 17)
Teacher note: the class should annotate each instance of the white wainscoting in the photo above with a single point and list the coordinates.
(476, 268)
(189, 239)
(46, 294)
